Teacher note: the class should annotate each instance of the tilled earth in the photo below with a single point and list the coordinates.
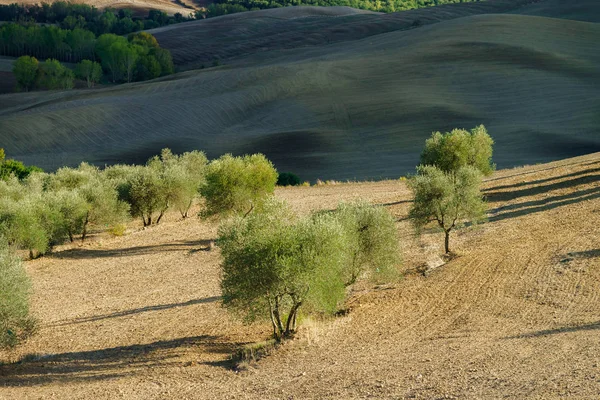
(515, 315)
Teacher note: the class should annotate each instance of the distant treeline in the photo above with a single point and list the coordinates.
(222, 7)
(82, 16)
(79, 44)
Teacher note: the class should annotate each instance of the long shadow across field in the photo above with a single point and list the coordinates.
(540, 181)
(192, 246)
(532, 191)
(578, 328)
(113, 362)
(549, 203)
(140, 310)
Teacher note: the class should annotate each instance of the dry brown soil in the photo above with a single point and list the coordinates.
(515, 315)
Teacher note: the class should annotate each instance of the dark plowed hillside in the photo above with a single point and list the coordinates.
(357, 109)
(199, 43)
(578, 10)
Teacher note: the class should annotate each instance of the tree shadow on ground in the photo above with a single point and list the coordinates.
(536, 190)
(566, 329)
(114, 362)
(133, 311)
(540, 181)
(79, 253)
(585, 254)
(549, 203)
(540, 170)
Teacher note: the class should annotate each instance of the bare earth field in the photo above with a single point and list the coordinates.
(515, 315)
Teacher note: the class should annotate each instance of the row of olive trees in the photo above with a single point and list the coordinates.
(447, 185)
(39, 210)
(44, 210)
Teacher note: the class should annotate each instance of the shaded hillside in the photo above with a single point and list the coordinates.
(515, 315)
(579, 10)
(354, 109)
(199, 43)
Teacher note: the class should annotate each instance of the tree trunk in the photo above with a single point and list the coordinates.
(447, 242)
(277, 316)
(290, 325)
(85, 224)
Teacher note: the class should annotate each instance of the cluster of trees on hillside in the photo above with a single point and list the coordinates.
(72, 16)
(222, 7)
(136, 58)
(275, 264)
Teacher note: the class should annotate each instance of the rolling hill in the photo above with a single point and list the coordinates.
(515, 315)
(353, 100)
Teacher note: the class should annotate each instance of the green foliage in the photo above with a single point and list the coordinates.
(89, 71)
(84, 196)
(16, 323)
(22, 225)
(74, 16)
(447, 198)
(182, 177)
(53, 75)
(288, 179)
(372, 239)
(235, 185)
(142, 188)
(26, 71)
(459, 148)
(276, 263)
(17, 168)
(223, 7)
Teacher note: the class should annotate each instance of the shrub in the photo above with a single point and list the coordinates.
(26, 72)
(181, 177)
(142, 188)
(460, 148)
(89, 71)
(54, 75)
(235, 185)
(446, 198)
(373, 241)
(273, 264)
(288, 179)
(16, 324)
(12, 167)
(85, 196)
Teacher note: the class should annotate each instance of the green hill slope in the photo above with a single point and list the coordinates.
(353, 109)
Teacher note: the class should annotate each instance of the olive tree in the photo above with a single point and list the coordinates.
(274, 263)
(460, 148)
(16, 323)
(446, 198)
(181, 176)
(84, 196)
(236, 185)
(372, 238)
(142, 188)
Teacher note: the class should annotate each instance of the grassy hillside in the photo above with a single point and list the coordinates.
(515, 315)
(353, 109)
